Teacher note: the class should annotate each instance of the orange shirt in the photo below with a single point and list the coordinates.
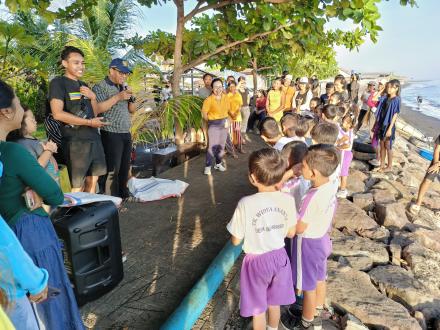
(289, 92)
(216, 109)
(236, 104)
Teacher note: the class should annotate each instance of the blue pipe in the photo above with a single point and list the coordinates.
(192, 306)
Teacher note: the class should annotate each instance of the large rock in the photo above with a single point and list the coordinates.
(400, 284)
(428, 238)
(380, 234)
(362, 263)
(351, 322)
(364, 201)
(355, 246)
(355, 181)
(425, 265)
(391, 215)
(382, 196)
(359, 165)
(426, 218)
(350, 216)
(395, 188)
(352, 292)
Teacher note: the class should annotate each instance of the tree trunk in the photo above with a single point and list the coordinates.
(177, 74)
(255, 75)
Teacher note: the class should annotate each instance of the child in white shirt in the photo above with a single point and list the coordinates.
(262, 221)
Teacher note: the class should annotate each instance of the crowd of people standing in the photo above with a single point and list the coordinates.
(32, 265)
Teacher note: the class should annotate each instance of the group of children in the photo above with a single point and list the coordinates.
(285, 227)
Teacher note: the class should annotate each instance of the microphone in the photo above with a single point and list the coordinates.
(132, 99)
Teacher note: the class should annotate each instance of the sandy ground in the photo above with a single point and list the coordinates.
(170, 244)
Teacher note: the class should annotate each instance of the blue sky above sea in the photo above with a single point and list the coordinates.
(409, 44)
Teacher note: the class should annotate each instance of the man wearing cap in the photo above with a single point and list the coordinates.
(73, 106)
(289, 92)
(116, 103)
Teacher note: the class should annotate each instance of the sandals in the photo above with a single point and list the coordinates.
(414, 209)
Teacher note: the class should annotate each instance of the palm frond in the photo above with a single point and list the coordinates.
(159, 123)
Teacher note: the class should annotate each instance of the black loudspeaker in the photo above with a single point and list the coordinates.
(91, 243)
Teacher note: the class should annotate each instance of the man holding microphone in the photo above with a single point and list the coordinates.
(116, 103)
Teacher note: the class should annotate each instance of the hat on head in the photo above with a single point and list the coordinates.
(383, 81)
(304, 80)
(372, 83)
(289, 76)
(120, 65)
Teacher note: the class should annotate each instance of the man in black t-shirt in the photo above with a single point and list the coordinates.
(74, 104)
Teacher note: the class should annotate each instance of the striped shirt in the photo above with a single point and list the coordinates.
(118, 115)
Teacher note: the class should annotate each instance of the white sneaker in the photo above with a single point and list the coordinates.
(220, 167)
(343, 193)
(207, 170)
(374, 162)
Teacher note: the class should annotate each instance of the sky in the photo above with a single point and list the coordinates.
(409, 44)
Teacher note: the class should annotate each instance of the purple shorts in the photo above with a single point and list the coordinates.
(346, 158)
(265, 280)
(309, 261)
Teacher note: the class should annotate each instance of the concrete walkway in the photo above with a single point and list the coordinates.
(170, 243)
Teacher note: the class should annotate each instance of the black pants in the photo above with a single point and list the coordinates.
(117, 148)
(361, 117)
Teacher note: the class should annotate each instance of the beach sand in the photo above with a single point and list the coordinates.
(430, 126)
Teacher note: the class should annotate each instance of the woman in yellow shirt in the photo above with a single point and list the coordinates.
(215, 111)
(235, 116)
(289, 92)
(275, 101)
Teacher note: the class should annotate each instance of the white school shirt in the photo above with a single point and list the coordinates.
(297, 188)
(319, 212)
(262, 220)
(282, 142)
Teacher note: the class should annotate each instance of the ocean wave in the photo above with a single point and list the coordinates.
(430, 93)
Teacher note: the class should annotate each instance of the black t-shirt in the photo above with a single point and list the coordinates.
(67, 90)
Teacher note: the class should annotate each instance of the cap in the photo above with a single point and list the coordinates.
(383, 81)
(289, 76)
(120, 65)
(329, 85)
(304, 80)
(372, 83)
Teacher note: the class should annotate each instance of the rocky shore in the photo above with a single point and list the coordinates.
(384, 272)
(385, 266)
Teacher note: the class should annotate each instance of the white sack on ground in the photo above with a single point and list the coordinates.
(152, 189)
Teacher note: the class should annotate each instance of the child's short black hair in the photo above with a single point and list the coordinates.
(325, 133)
(269, 128)
(294, 152)
(288, 120)
(323, 158)
(330, 111)
(267, 165)
(65, 53)
(207, 75)
(302, 127)
(317, 100)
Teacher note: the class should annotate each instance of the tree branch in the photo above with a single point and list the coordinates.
(198, 9)
(221, 49)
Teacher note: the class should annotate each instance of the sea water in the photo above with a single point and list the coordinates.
(429, 91)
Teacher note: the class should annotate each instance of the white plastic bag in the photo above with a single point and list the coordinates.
(152, 189)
